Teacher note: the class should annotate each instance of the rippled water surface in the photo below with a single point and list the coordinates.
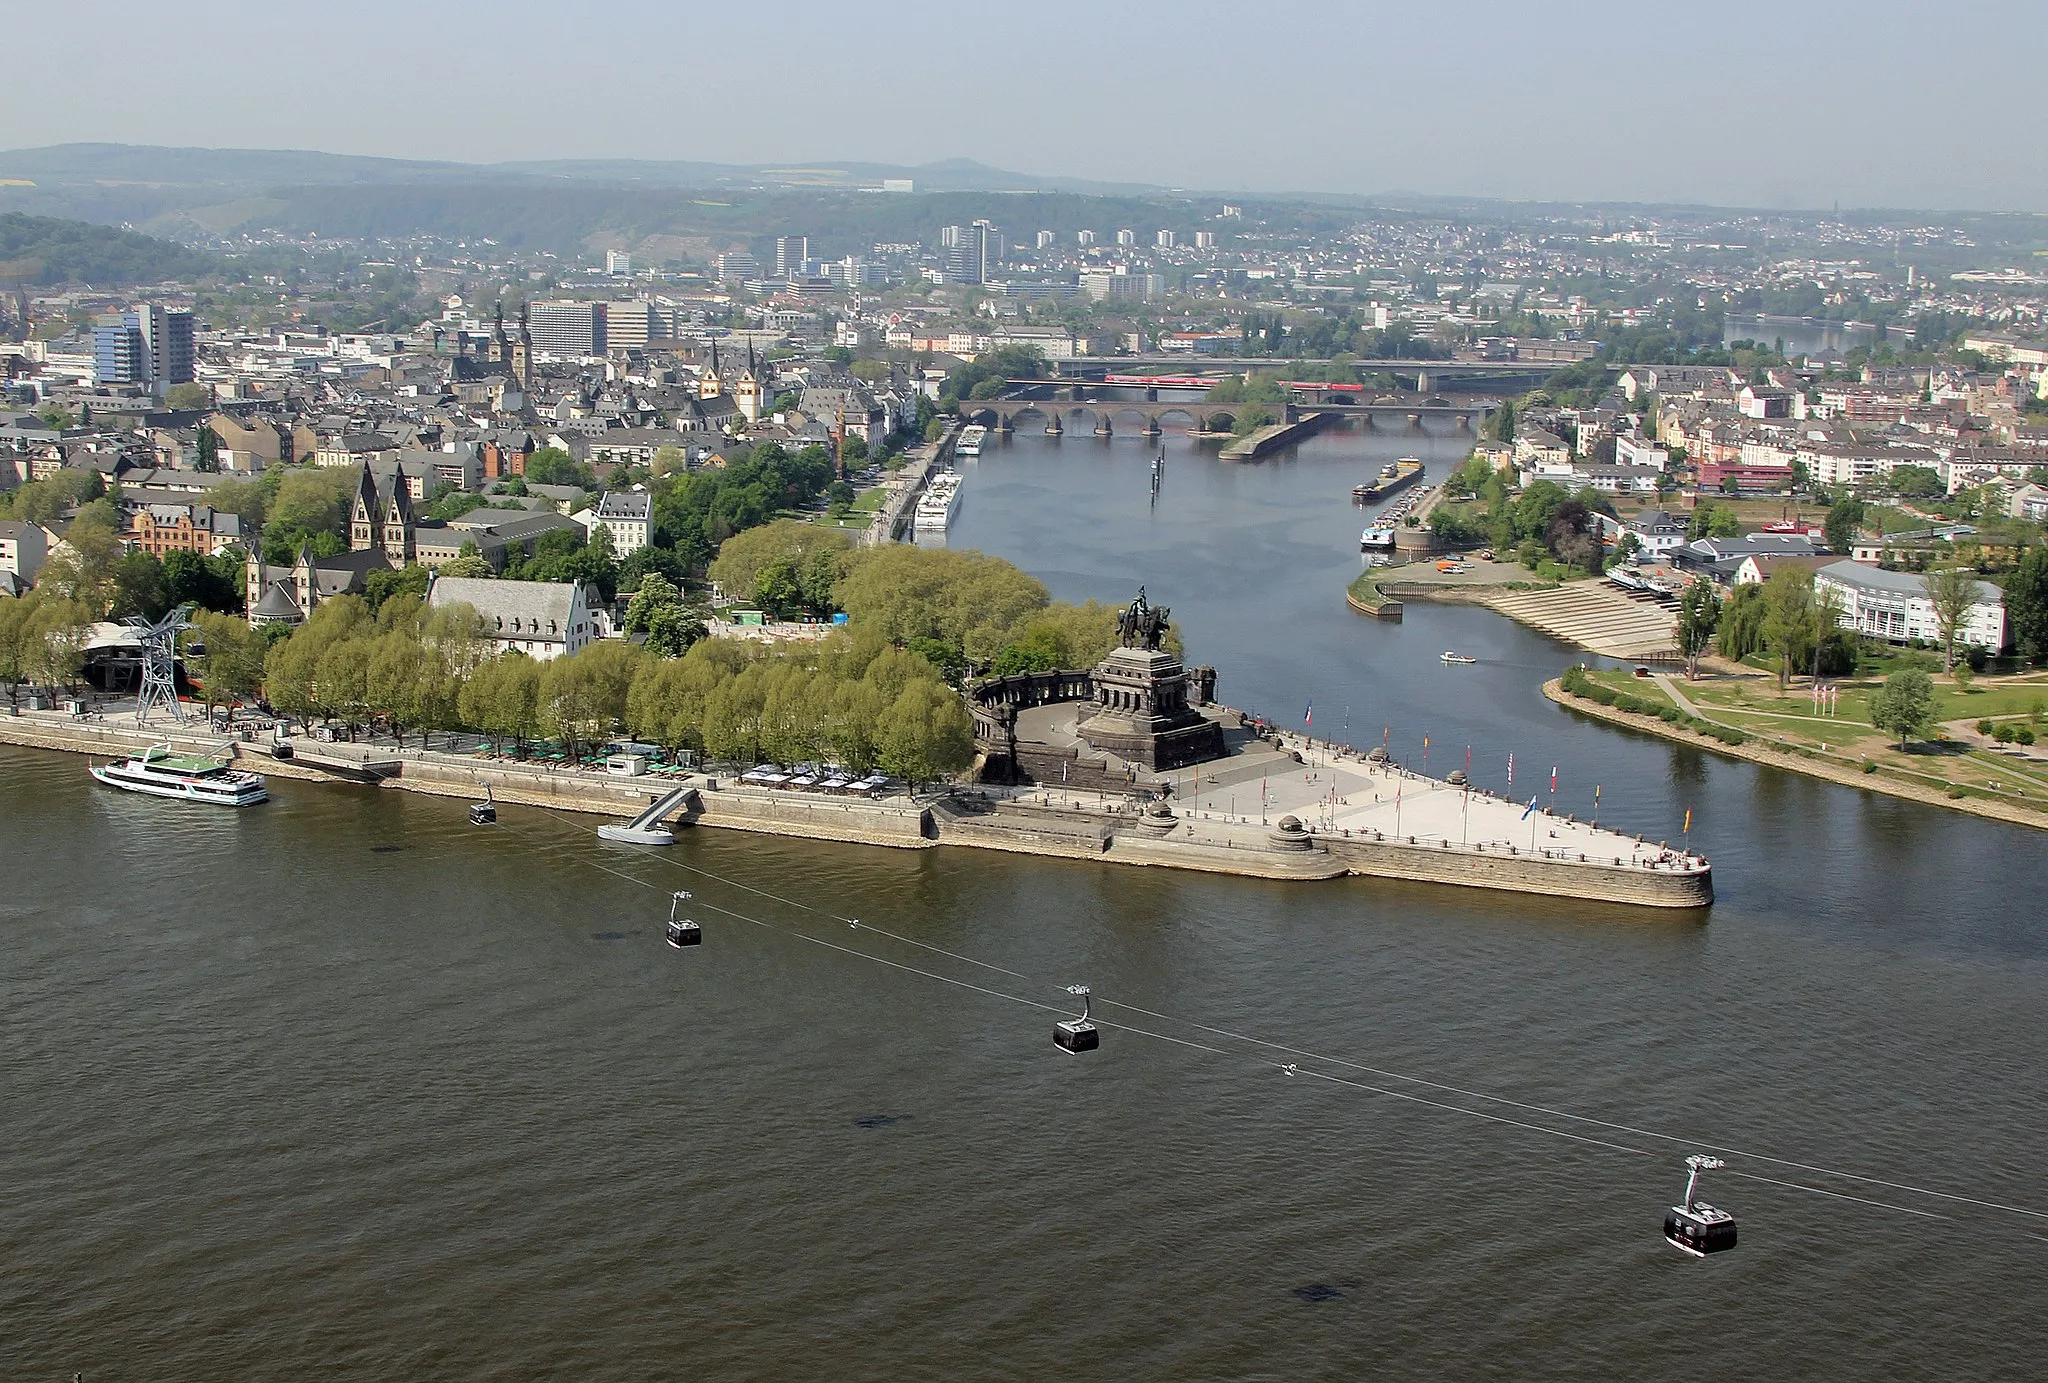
(279, 1103)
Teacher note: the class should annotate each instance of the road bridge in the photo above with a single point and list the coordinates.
(1059, 415)
(1428, 374)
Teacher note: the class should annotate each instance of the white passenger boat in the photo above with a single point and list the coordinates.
(1458, 659)
(941, 497)
(160, 773)
(969, 443)
(1378, 538)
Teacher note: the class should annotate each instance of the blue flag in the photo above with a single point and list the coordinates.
(1530, 808)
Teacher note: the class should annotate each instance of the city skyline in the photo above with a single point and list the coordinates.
(1784, 109)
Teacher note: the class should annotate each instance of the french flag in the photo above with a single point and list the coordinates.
(1308, 717)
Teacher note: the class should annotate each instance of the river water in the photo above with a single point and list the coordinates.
(343, 1086)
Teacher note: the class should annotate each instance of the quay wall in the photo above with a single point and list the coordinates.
(1268, 439)
(902, 824)
(1676, 888)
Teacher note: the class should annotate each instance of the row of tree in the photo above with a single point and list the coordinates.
(854, 699)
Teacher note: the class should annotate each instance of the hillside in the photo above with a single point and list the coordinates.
(44, 250)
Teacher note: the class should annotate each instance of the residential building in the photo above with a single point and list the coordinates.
(1657, 533)
(1163, 240)
(1894, 606)
(542, 619)
(151, 345)
(628, 515)
(1639, 451)
(165, 528)
(24, 546)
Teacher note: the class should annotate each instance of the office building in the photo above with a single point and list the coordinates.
(973, 253)
(569, 330)
(630, 325)
(618, 263)
(118, 353)
(738, 267)
(790, 253)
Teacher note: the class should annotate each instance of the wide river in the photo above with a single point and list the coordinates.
(342, 1087)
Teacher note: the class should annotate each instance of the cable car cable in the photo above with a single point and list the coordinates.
(1289, 1068)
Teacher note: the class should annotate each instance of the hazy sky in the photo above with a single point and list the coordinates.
(1790, 103)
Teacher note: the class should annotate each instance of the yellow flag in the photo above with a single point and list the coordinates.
(1688, 818)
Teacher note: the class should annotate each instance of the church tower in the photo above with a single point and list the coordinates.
(709, 385)
(748, 393)
(364, 520)
(522, 352)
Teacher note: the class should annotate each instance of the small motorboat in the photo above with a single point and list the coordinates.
(1457, 659)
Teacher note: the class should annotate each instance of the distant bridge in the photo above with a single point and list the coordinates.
(1102, 415)
(1428, 373)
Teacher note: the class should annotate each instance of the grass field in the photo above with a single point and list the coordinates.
(1953, 762)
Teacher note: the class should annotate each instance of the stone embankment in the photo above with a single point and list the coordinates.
(1118, 832)
(1272, 438)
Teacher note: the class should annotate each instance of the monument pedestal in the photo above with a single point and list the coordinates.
(1141, 712)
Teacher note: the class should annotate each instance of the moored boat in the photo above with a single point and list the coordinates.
(195, 778)
(971, 438)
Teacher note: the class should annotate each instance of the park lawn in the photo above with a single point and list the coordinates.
(1986, 698)
(870, 500)
(1753, 704)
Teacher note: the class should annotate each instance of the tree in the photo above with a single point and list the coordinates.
(965, 600)
(231, 666)
(210, 583)
(83, 567)
(926, 733)
(2026, 604)
(502, 697)
(185, 398)
(743, 557)
(1905, 704)
(139, 587)
(1789, 619)
(1740, 631)
(397, 681)
(209, 452)
(16, 642)
(1952, 591)
(1699, 612)
(469, 564)
(673, 630)
(554, 466)
(57, 634)
(1844, 524)
(1504, 422)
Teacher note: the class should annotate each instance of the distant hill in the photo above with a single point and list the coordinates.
(45, 250)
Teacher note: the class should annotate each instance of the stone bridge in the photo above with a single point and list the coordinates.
(1101, 416)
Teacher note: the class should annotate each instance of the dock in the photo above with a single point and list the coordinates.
(1272, 438)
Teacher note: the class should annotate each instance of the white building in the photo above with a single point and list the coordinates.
(628, 515)
(542, 619)
(1657, 533)
(1893, 605)
(1638, 451)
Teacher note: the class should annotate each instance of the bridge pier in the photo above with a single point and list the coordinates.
(1415, 422)
(1102, 427)
(1053, 427)
(1422, 381)
(1152, 428)
(1003, 428)
(1465, 422)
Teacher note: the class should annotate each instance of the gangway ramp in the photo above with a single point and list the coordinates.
(646, 828)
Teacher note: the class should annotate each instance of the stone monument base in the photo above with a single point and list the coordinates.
(1141, 712)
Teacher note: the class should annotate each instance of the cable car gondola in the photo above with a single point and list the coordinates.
(1077, 1035)
(1696, 1227)
(681, 930)
(485, 812)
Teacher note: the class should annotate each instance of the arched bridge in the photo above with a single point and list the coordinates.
(1102, 416)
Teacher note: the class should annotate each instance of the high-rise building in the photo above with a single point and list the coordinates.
(119, 355)
(1205, 240)
(630, 325)
(569, 330)
(618, 263)
(1127, 237)
(1084, 238)
(1164, 240)
(973, 253)
(1044, 239)
(151, 345)
(790, 253)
